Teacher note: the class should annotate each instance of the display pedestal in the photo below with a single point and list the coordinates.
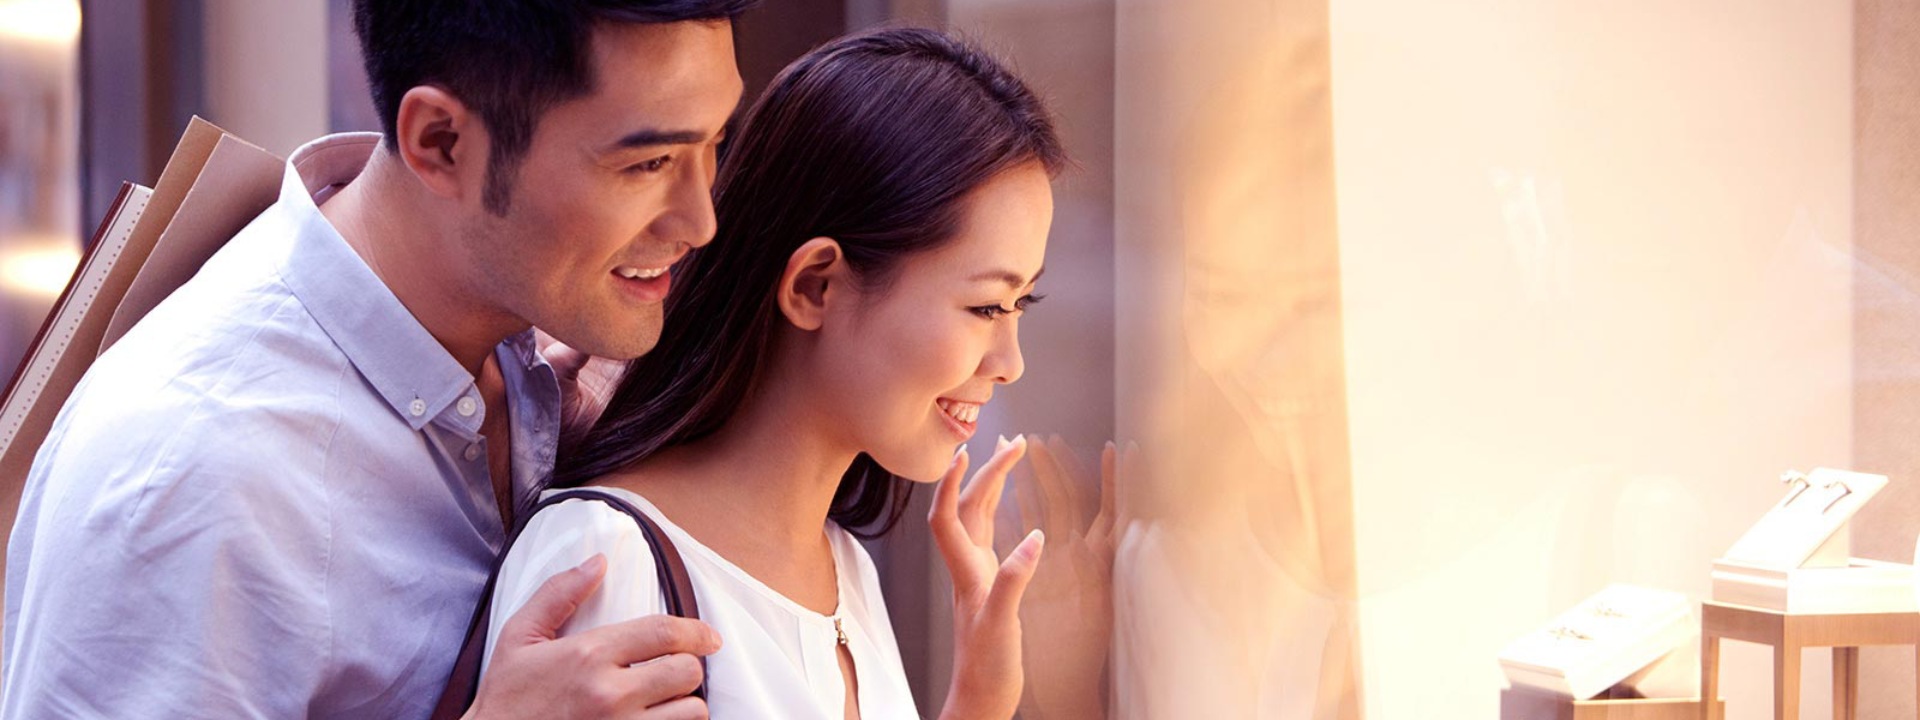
(1789, 634)
(1530, 704)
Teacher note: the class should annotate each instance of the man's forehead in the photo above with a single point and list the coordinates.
(665, 77)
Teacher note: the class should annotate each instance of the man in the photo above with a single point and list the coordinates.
(281, 493)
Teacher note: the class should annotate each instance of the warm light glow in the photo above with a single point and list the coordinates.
(38, 269)
(44, 21)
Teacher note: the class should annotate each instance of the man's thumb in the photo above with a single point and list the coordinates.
(554, 603)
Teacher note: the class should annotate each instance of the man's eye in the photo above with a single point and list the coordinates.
(651, 166)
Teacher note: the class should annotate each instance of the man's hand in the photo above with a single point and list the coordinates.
(640, 668)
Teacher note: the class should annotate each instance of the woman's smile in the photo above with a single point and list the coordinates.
(962, 416)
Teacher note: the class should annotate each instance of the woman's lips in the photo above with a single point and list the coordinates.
(963, 417)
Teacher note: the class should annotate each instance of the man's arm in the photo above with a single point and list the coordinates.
(159, 582)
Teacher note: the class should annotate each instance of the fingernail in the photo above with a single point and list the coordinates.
(962, 450)
(1031, 546)
(594, 564)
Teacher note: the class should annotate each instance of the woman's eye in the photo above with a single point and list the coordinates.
(990, 312)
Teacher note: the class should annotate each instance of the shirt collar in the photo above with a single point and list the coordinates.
(411, 370)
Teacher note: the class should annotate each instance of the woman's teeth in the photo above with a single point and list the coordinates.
(634, 273)
(963, 412)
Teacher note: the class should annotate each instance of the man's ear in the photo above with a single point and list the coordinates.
(442, 142)
(816, 272)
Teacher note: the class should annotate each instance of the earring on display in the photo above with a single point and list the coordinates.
(1845, 490)
(1798, 482)
(1566, 633)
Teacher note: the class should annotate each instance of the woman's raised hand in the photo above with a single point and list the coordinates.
(986, 592)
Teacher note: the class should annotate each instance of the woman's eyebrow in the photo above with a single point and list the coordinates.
(1012, 279)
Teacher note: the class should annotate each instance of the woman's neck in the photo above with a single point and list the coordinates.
(757, 491)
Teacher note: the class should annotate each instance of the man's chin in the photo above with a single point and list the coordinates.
(621, 347)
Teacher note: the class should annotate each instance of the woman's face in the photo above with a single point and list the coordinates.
(913, 362)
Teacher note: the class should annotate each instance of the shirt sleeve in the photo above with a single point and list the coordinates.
(165, 573)
(558, 539)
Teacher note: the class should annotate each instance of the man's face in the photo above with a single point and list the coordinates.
(613, 189)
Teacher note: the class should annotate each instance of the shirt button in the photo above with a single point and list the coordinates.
(418, 407)
(473, 452)
(467, 406)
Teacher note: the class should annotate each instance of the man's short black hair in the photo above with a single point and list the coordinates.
(509, 60)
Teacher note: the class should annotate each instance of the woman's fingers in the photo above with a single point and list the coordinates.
(988, 483)
(1058, 501)
(1026, 492)
(948, 533)
(1103, 523)
(1010, 583)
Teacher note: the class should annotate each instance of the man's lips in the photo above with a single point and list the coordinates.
(645, 285)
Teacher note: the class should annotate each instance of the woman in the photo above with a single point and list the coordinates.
(883, 218)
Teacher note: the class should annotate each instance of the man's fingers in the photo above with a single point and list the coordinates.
(553, 603)
(1010, 584)
(645, 638)
(660, 682)
(686, 708)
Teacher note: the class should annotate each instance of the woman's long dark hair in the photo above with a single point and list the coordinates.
(873, 140)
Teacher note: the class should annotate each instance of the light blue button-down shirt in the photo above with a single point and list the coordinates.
(271, 498)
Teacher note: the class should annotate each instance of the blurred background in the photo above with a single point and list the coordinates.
(1427, 320)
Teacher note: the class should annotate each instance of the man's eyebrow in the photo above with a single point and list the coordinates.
(656, 138)
(1011, 278)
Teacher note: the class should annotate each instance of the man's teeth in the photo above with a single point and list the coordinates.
(634, 273)
(964, 412)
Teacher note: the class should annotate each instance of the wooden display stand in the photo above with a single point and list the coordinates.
(1789, 634)
(1523, 704)
(1642, 709)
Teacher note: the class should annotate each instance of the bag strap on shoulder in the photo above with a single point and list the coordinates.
(676, 588)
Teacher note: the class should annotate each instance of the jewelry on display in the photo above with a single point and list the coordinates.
(1845, 490)
(1796, 480)
(1566, 633)
(1607, 611)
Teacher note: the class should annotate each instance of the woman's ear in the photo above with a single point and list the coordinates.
(441, 141)
(815, 272)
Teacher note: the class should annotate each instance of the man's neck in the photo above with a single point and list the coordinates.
(405, 236)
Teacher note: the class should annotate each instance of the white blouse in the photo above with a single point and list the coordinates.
(777, 659)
